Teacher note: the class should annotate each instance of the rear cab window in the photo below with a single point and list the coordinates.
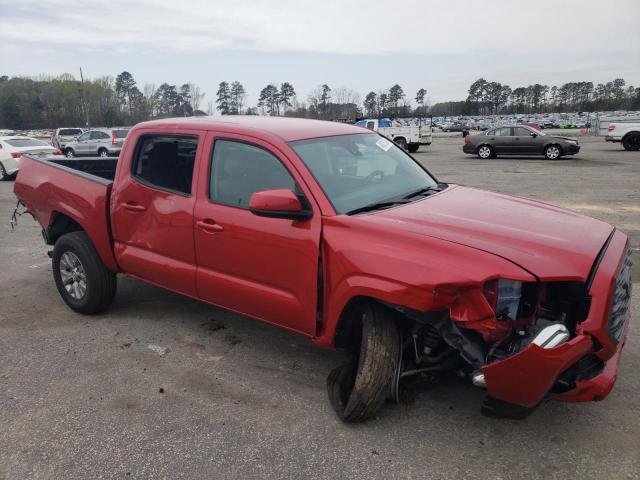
(165, 161)
(120, 133)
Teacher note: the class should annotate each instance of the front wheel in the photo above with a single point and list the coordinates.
(631, 142)
(413, 147)
(552, 152)
(485, 152)
(358, 388)
(3, 173)
(69, 153)
(84, 283)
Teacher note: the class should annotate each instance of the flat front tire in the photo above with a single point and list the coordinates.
(84, 283)
(358, 388)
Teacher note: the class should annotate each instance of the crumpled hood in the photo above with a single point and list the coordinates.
(551, 243)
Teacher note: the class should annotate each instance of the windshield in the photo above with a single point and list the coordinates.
(362, 169)
(69, 132)
(26, 142)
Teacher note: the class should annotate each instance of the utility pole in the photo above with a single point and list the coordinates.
(84, 103)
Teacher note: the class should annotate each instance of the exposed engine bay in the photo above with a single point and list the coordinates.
(487, 325)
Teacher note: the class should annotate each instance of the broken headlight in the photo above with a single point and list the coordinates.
(504, 297)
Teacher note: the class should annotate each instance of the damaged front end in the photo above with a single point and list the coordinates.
(525, 342)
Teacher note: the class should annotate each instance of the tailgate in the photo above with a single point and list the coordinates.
(49, 190)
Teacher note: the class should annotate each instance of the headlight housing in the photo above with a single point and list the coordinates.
(504, 297)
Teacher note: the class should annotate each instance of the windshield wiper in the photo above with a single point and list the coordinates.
(376, 206)
(421, 191)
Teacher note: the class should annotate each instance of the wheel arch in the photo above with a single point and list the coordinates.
(358, 289)
(61, 224)
(631, 132)
(550, 143)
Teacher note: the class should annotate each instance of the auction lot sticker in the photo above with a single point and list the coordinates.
(384, 144)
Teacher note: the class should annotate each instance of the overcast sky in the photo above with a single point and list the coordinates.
(441, 45)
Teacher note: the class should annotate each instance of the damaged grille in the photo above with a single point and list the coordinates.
(621, 300)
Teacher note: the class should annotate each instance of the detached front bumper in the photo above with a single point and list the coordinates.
(533, 374)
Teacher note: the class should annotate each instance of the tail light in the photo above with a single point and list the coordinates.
(611, 127)
(467, 139)
(57, 152)
(16, 154)
(114, 139)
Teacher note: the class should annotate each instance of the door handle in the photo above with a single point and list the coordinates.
(209, 226)
(134, 207)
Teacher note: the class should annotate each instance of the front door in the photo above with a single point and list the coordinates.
(266, 268)
(82, 145)
(524, 143)
(152, 210)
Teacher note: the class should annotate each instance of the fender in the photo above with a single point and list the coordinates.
(381, 289)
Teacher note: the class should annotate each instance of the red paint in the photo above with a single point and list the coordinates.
(432, 254)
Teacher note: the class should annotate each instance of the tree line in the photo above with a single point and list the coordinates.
(494, 98)
(47, 102)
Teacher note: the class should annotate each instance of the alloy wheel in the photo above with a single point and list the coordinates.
(74, 277)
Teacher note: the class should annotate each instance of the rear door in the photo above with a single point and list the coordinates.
(152, 210)
(99, 139)
(266, 268)
(501, 140)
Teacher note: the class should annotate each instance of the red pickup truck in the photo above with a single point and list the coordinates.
(335, 233)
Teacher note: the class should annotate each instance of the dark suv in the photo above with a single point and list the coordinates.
(519, 140)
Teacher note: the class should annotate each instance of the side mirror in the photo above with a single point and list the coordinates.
(533, 134)
(279, 203)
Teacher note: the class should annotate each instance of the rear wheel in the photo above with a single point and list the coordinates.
(485, 152)
(552, 152)
(358, 388)
(401, 142)
(413, 147)
(631, 142)
(103, 152)
(84, 283)
(69, 153)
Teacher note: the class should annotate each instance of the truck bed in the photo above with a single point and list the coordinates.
(57, 190)
(105, 168)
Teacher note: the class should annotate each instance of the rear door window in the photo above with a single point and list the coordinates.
(166, 162)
